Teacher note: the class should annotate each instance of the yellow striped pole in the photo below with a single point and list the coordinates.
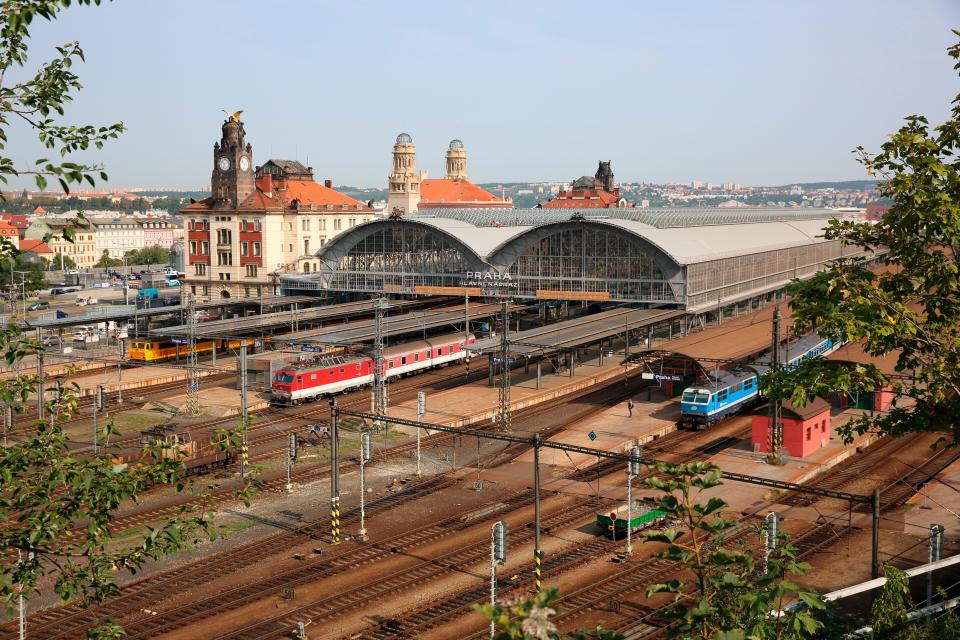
(537, 569)
(335, 519)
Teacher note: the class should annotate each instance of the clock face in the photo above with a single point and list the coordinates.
(244, 164)
(223, 163)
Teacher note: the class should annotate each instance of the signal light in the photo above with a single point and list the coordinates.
(365, 446)
(500, 542)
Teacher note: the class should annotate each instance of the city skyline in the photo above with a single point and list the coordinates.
(744, 93)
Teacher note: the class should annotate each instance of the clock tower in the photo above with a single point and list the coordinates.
(233, 178)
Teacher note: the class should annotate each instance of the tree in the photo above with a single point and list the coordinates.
(731, 596)
(149, 255)
(62, 261)
(32, 265)
(58, 501)
(106, 261)
(912, 309)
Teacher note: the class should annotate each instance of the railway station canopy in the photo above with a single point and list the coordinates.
(693, 259)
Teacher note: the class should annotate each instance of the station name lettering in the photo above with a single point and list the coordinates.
(489, 281)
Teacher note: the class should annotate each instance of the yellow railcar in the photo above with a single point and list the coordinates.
(160, 350)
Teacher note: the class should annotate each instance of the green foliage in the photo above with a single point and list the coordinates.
(912, 309)
(106, 261)
(62, 261)
(888, 614)
(532, 619)
(731, 596)
(149, 255)
(13, 262)
(41, 100)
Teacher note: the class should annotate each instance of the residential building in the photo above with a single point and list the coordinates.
(160, 233)
(260, 221)
(411, 190)
(82, 249)
(36, 247)
(597, 192)
(117, 236)
(9, 233)
(21, 222)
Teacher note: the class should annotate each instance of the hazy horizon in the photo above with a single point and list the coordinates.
(747, 92)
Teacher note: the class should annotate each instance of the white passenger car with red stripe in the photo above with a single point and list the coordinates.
(312, 379)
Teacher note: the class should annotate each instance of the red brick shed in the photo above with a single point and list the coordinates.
(805, 429)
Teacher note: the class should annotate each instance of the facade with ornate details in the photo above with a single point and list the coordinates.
(259, 222)
(411, 190)
(598, 192)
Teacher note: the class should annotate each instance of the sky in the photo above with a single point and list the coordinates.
(762, 92)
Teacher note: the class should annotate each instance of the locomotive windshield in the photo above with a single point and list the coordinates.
(687, 396)
(702, 398)
(284, 377)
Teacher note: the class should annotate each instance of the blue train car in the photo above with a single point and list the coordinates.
(729, 392)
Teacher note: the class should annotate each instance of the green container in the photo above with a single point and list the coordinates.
(642, 516)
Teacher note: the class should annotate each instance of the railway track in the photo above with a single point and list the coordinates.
(205, 571)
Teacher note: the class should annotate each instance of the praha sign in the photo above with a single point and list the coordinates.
(490, 283)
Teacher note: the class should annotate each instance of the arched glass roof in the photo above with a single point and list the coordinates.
(659, 218)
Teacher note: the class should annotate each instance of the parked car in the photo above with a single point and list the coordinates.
(37, 306)
(50, 341)
(148, 294)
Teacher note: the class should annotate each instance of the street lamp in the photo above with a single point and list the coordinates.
(23, 285)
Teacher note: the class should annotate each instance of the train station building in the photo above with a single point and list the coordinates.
(709, 263)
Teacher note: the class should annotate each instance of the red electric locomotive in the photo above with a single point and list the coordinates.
(309, 380)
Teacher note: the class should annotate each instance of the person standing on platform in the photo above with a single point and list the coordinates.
(630, 407)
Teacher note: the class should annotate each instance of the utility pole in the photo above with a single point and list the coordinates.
(379, 373)
(365, 451)
(498, 555)
(537, 552)
(123, 352)
(775, 426)
(243, 409)
(41, 389)
(193, 397)
(875, 536)
(97, 406)
(421, 409)
(291, 456)
(934, 553)
(334, 472)
(633, 469)
(773, 531)
(504, 368)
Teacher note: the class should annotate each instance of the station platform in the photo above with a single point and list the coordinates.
(131, 379)
(939, 495)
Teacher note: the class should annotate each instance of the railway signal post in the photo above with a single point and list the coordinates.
(97, 406)
(334, 472)
(41, 391)
(421, 409)
(934, 553)
(123, 352)
(291, 456)
(365, 451)
(633, 469)
(498, 555)
(243, 411)
(537, 552)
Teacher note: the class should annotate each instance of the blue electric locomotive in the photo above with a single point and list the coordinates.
(731, 391)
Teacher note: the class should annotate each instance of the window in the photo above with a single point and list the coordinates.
(306, 267)
(808, 433)
(224, 236)
(246, 294)
(193, 247)
(224, 276)
(256, 225)
(252, 273)
(206, 290)
(244, 247)
(204, 248)
(289, 226)
(352, 222)
(336, 224)
(256, 248)
(243, 224)
(403, 360)
(323, 224)
(200, 269)
(306, 246)
(290, 248)
(224, 258)
(305, 224)
(416, 357)
(259, 292)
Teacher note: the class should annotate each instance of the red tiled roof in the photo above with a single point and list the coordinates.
(17, 220)
(39, 210)
(34, 246)
(583, 199)
(282, 197)
(445, 192)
